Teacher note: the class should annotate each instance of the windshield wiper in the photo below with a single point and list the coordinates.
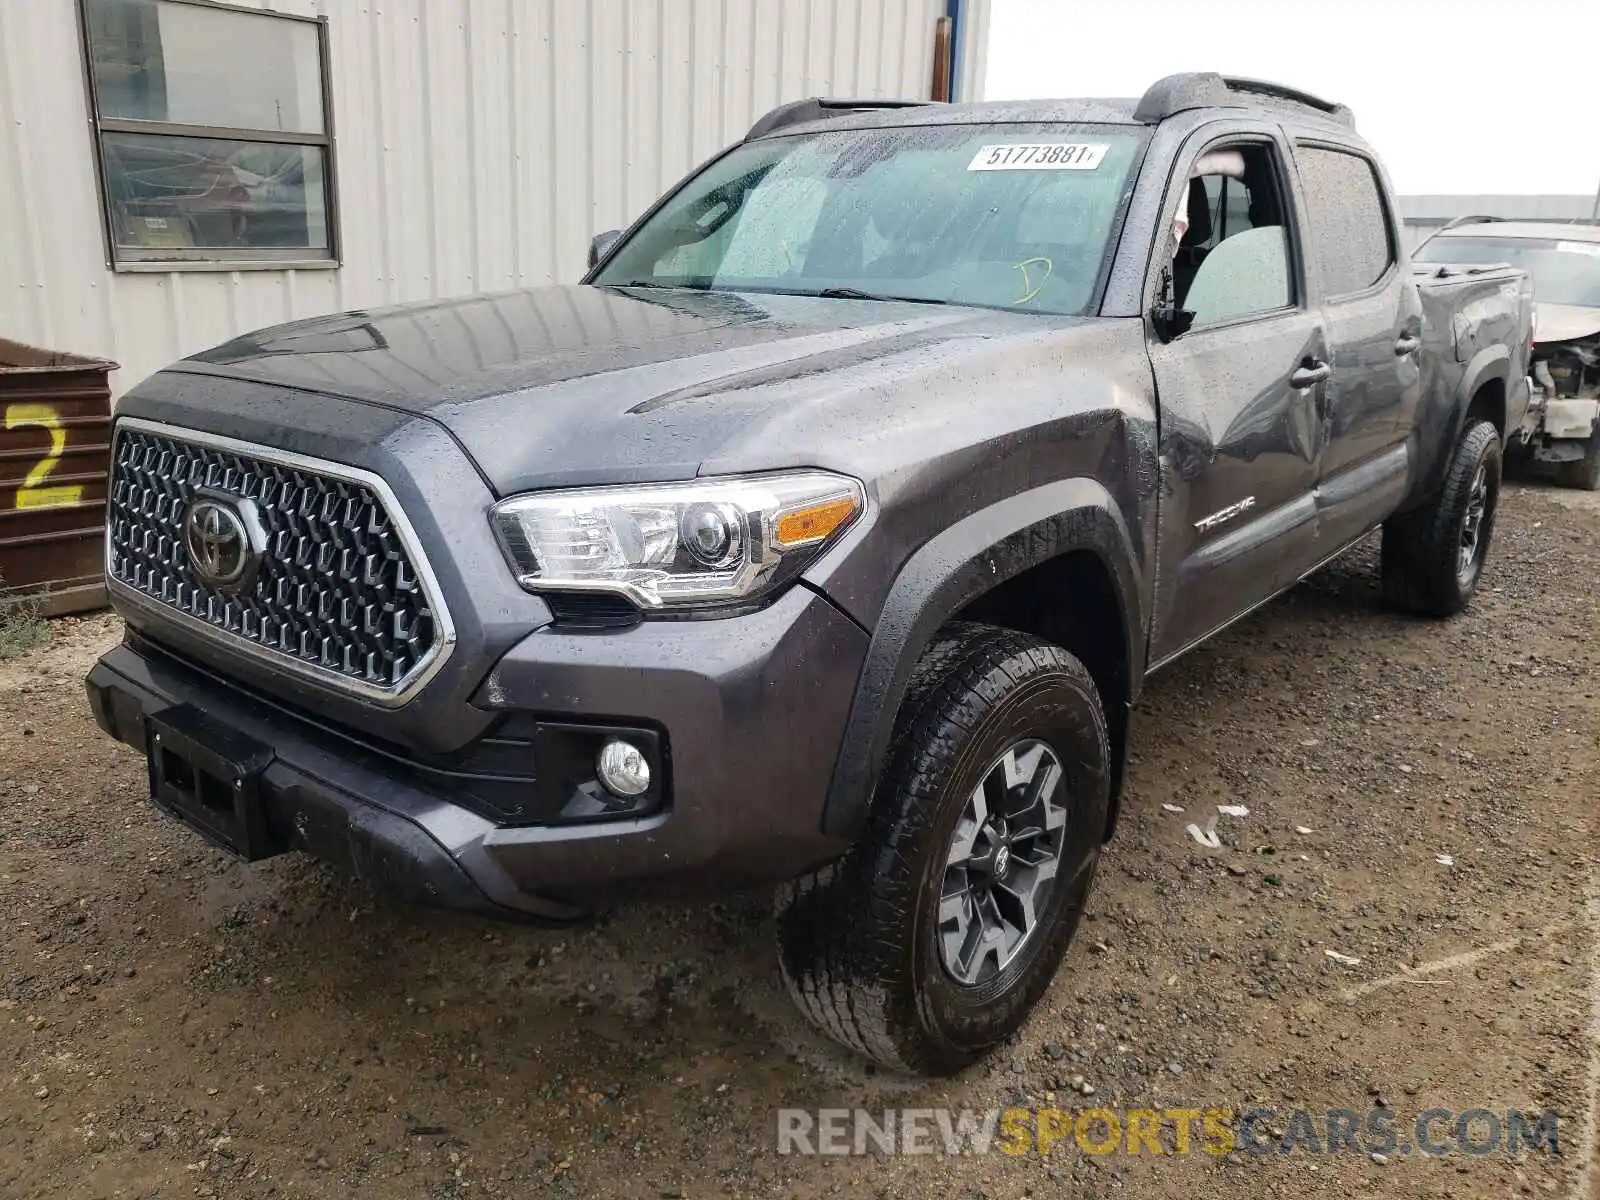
(830, 293)
(693, 285)
(850, 293)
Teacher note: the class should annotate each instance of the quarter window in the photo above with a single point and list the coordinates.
(1349, 221)
(213, 133)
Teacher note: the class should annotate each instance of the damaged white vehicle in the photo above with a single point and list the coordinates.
(1564, 260)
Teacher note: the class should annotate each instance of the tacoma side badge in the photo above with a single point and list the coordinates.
(1224, 515)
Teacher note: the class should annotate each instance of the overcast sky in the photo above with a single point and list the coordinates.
(1454, 101)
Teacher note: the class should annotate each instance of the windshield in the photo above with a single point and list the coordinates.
(1004, 216)
(1563, 272)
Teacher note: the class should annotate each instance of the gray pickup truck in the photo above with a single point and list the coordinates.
(824, 536)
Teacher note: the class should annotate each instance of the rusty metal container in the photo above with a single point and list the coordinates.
(55, 452)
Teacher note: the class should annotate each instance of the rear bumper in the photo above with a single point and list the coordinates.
(752, 710)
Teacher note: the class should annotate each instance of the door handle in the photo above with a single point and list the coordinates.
(1309, 373)
(1407, 343)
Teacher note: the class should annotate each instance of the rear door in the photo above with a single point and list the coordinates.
(1239, 392)
(1373, 315)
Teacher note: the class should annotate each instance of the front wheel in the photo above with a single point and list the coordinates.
(933, 938)
(1433, 555)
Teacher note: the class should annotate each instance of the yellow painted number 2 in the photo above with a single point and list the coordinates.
(33, 493)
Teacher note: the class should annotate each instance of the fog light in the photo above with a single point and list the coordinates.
(622, 768)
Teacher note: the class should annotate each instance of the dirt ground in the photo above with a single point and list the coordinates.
(174, 1024)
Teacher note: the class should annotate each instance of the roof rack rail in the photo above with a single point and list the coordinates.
(1472, 219)
(820, 108)
(1456, 222)
(1206, 89)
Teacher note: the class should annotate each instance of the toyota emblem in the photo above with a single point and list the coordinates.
(222, 536)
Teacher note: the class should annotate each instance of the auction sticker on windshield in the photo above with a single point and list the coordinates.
(1038, 156)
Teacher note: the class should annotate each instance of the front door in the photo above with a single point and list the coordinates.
(1241, 399)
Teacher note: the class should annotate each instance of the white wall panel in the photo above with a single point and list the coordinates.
(480, 144)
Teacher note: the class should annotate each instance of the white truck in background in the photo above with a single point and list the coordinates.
(1564, 261)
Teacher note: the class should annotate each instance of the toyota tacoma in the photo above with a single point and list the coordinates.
(823, 537)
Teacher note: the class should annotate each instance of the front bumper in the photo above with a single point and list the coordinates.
(751, 708)
(1571, 419)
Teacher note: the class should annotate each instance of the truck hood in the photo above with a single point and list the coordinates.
(1566, 322)
(564, 386)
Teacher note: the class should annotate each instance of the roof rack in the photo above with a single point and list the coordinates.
(820, 108)
(1456, 222)
(1473, 219)
(1206, 89)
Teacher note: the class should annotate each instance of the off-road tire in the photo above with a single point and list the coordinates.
(1422, 547)
(857, 940)
(1583, 472)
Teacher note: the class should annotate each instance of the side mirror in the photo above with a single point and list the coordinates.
(600, 245)
(1168, 320)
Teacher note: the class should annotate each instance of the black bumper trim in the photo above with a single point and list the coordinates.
(308, 812)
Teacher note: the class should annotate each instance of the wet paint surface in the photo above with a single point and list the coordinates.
(1203, 474)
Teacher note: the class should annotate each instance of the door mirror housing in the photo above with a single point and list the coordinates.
(1168, 320)
(600, 246)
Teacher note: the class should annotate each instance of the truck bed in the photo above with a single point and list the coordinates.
(1470, 310)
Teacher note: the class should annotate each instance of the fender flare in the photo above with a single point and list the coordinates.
(970, 558)
(1490, 363)
(1439, 427)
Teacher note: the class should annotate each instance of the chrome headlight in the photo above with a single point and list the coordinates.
(675, 545)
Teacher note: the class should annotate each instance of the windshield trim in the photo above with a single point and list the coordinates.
(1142, 135)
(921, 301)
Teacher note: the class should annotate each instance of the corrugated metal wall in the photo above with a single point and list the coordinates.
(480, 144)
(1424, 214)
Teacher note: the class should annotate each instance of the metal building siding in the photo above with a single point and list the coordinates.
(1423, 215)
(480, 144)
(1443, 208)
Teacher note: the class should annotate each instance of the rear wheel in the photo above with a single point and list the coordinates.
(1433, 555)
(933, 938)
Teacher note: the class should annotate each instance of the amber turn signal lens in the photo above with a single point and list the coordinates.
(814, 522)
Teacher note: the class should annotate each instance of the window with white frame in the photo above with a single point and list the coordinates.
(213, 133)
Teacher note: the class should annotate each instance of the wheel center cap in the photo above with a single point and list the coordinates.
(1002, 861)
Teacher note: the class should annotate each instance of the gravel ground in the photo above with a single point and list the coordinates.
(173, 1023)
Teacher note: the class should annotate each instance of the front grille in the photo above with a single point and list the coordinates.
(336, 592)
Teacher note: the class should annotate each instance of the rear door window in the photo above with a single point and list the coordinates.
(1349, 223)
